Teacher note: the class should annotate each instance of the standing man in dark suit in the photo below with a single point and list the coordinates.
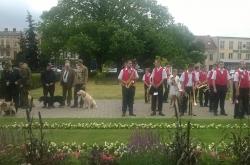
(11, 78)
(48, 78)
(67, 80)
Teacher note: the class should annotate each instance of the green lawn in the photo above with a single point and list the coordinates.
(99, 136)
(102, 91)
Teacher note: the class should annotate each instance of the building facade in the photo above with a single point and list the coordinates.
(231, 50)
(9, 44)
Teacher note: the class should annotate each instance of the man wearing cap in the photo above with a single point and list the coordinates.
(11, 78)
(220, 80)
(80, 81)
(67, 79)
(48, 79)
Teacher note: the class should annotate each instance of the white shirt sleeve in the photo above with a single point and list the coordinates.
(120, 75)
(182, 77)
(164, 74)
(228, 76)
(143, 77)
(152, 74)
(136, 74)
(208, 73)
(236, 76)
(213, 75)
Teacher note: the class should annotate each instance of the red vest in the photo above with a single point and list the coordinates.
(244, 79)
(202, 76)
(221, 78)
(147, 78)
(127, 74)
(209, 79)
(157, 75)
(186, 78)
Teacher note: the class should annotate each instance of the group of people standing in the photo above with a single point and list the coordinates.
(70, 78)
(17, 82)
(210, 86)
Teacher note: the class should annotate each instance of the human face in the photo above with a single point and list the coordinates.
(157, 63)
(129, 64)
(221, 65)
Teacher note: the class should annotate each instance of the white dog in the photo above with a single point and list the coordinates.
(89, 102)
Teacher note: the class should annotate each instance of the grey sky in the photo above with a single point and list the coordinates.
(202, 17)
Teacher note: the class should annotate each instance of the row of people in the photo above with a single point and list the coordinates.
(212, 84)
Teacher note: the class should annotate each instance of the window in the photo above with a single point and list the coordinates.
(222, 44)
(221, 55)
(239, 56)
(230, 55)
(248, 56)
(231, 45)
(211, 57)
(7, 53)
(2, 42)
(239, 45)
(248, 45)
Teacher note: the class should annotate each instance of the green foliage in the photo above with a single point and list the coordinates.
(116, 30)
(36, 81)
(31, 51)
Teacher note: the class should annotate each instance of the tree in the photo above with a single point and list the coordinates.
(31, 53)
(111, 30)
(21, 55)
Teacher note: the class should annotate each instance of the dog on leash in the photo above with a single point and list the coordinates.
(7, 107)
(56, 99)
(89, 102)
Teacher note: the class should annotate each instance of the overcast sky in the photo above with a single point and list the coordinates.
(202, 17)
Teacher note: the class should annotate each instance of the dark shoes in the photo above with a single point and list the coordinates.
(224, 114)
(74, 106)
(131, 114)
(153, 114)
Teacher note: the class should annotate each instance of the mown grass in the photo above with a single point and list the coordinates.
(99, 136)
(98, 91)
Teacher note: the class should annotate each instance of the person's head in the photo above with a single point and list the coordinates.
(147, 70)
(175, 72)
(157, 63)
(49, 66)
(243, 65)
(203, 68)
(190, 67)
(8, 65)
(196, 68)
(221, 64)
(210, 67)
(67, 65)
(129, 64)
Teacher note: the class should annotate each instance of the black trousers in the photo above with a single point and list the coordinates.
(241, 106)
(146, 93)
(166, 90)
(234, 91)
(212, 97)
(24, 92)
(206, 95)
(49, 90)
(67, 93)
(12, 94)
(187, 101)
(77, 88)
(157, 99)
(128, 99)
(220, 97)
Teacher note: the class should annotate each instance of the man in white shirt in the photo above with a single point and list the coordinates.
(127, 77)
(220, 80)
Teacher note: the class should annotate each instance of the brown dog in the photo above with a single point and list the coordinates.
(7, 107)
(89, 102)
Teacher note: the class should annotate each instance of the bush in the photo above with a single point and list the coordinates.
(36, 81)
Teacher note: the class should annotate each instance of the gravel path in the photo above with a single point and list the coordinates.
(112, 109)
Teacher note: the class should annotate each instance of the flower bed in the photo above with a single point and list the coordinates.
(95, 125)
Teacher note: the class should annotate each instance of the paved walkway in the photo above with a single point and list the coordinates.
(112, 109)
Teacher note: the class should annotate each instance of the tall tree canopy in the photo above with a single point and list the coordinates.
(107, 30)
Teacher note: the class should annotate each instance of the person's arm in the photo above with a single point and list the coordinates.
(213, 80)
(120, 77)
(86, 75)
(236, 83)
